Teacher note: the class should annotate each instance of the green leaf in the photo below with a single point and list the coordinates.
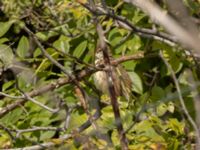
(114, 36)
(171, 107)
(145, 128)
(107, 118)
(157, 93)
(6, 55)
(80, 49)
(7, 85)
(176, 126)
(62, 44)
(45, 62)
(184, 77)
(115, 40)
(3, 40)
(176, 63)
(77, 119)
(23, 47)
(44, 36)
(120, 49)
(37, 52)
(134, 44)
(130, 65)
(5, 26)
(161, 109)
(47, 135)
(137, 82)
(12, 117)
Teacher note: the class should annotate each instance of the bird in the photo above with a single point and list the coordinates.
(121, 79)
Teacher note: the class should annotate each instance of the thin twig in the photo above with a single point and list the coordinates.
(11, 96)
(21, 131)
(27, 97)
(181, 100)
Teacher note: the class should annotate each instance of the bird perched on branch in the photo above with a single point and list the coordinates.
(121, 80)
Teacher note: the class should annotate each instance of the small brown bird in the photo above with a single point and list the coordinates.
(121, 80)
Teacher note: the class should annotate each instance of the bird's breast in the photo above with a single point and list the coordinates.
(100, 80)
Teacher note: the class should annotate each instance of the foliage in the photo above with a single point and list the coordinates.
(153, 119)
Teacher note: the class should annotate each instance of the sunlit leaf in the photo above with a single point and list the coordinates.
(157, 93)
(161, 109)
(80, 49)
(6, 55)
(7, 85)
(23, 47)
(171, 107)
(62, 44)
(136, 83)
(5, 26)
(3, 40)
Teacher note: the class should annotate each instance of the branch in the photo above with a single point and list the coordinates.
(123, 22)
(111, 88)
(185, 37)
(59, 83)
(122, 59)
(21, 131)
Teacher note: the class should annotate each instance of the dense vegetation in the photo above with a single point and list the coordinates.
(48, 96)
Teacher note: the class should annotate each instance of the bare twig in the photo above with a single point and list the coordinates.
(21, 131)
(27, 97)
(11, 96)
(68, 117)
